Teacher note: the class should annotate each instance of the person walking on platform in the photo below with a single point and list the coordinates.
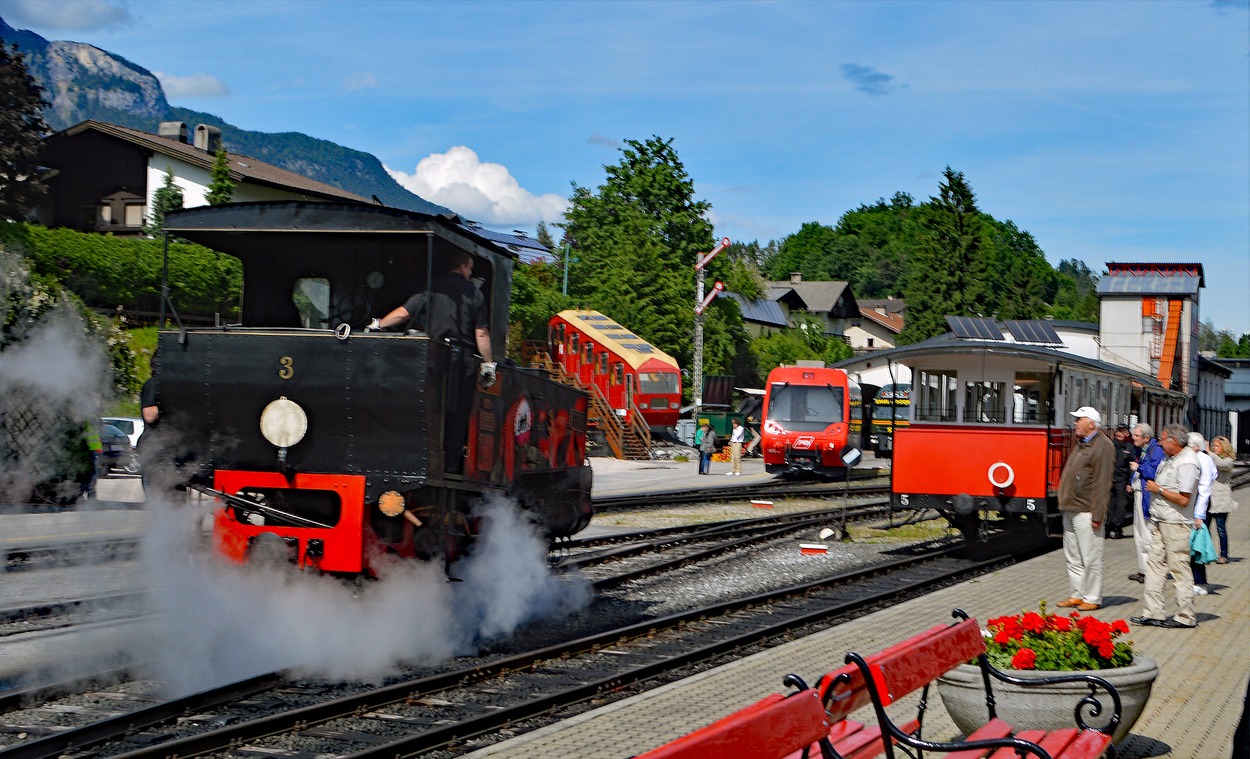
(1144, 468)
(1173, 492)
(737, 437)
(1084, 492)
(1119, 509)
(1222, 503)
(1206, 479)
(706, 448)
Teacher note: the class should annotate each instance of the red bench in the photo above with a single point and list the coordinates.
(813, 722)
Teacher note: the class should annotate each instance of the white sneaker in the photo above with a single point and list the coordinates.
(1200, 590)
(737, 474)
(729, 474)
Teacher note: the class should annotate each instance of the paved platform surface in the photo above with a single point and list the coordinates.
(1192, 711)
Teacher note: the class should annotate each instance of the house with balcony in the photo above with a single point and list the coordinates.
(102, 177)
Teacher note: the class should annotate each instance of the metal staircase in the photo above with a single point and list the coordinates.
(628, 440)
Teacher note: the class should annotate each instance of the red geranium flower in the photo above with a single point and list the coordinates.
(1025, 658)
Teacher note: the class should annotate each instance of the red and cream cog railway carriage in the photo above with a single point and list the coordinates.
(990, 424)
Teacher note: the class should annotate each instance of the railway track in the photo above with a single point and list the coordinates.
(443, 711)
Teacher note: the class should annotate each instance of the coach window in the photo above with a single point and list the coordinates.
(936, 398)
(1029, 397)
(603, 363)
(984, 402)
(574, 351)
(311, 296)
(588, 353)
(618, 374)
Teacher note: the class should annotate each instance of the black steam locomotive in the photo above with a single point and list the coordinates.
(325, 442)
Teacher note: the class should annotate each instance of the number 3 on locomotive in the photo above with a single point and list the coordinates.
(288, 367)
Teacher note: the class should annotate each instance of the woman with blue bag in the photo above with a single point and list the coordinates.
(1222, 502)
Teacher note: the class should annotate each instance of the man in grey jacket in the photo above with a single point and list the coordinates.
(1084, 494)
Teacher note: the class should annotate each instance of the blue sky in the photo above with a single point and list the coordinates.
(1113, 131)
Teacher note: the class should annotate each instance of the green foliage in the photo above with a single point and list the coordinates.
(168, 197)
(950, 270)
(22, 129)
(543, 235)
(1076, 292)
(535, 299)
(806, 341)
(106, 272)
(221, 188)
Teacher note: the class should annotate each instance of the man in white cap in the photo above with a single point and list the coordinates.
(1084, 494)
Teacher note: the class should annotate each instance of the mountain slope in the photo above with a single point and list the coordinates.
(84, 82)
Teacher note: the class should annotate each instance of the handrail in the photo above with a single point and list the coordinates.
(615, 430)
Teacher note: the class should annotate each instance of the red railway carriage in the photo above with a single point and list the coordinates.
(633, 375)
(990, 424)
(808, 414)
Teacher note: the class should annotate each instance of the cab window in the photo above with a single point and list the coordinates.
(311, 296)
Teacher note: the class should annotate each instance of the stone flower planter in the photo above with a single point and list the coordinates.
(1046, 707)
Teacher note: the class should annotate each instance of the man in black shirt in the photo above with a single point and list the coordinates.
(455, 313)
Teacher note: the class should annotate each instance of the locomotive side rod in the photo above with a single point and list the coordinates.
(247, 503)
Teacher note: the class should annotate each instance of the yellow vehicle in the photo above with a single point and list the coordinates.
(891, 409)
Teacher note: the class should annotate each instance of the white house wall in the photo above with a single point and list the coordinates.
(195, 180)
(1125, 334)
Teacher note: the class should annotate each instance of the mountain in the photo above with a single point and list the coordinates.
(84, 82)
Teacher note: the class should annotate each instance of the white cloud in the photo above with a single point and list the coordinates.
(485, 192)
(65, 15)
(361, 80)
(194, 86)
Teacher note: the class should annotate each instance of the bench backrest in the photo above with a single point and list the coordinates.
(918, 661)
(771, 728)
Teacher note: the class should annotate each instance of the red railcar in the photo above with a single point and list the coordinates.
(809, 417)
(633, 375)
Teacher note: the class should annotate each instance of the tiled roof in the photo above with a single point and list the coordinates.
(892, 322)
(242, 168)
(819, 296)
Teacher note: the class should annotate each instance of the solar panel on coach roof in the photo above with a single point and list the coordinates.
(1033, 331)
(974, 328)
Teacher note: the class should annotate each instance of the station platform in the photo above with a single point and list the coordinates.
(1191, 714)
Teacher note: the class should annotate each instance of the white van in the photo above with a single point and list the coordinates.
(131, 426)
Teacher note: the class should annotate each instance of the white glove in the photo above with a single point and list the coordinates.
(374, 326)
(486, 373)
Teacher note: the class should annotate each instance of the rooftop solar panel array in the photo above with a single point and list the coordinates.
(1033, 331)
(974, 328)
(1148, 284)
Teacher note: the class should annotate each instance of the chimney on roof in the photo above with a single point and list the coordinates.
(207, 138)
(173, 130)
(796, 277)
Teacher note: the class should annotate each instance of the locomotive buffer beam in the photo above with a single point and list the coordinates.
(248, 504)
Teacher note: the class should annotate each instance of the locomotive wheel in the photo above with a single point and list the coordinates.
(268, 550)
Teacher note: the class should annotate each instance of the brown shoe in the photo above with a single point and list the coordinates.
(1088, 607)
(1068, 604)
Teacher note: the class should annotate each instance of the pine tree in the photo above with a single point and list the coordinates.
(543, 235)
(168, 197)
(22, 129)
(949, 267)
(221, 189)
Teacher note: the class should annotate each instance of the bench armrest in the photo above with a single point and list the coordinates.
(1089, 705)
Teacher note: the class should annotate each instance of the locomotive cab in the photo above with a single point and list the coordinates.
(335, 441)
(808, 420)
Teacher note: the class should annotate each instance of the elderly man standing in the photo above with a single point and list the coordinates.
(1171, 519)
(1149, 458)
(1084, 493)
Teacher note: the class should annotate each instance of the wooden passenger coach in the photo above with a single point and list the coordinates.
(634, 376)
